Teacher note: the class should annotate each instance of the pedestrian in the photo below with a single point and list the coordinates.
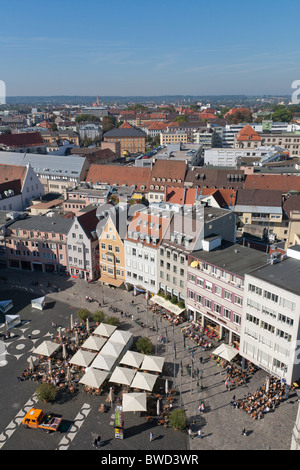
(98, 441)
(201, 359)
(95, 443)
(244, 432)
(190, 433)
(199, 433)
(151, 436)
(132, 317)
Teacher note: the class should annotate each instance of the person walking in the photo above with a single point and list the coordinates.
(151, 436)
(244, 432)
(190, 433)
(199, 433)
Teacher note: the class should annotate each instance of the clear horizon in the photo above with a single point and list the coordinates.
(133, 49)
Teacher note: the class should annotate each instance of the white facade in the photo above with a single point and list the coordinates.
(230, 156)
(141, 266)
(270, 323)
(81, 250)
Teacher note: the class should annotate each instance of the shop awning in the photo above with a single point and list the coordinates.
(167, 305)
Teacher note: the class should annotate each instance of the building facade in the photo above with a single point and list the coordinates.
(271, 312)
(215, 286)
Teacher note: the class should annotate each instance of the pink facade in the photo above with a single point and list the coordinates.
(215, 298)
(36, 250)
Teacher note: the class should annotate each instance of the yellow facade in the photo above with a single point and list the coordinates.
(111, 256)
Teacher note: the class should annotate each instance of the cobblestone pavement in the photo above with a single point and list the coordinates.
(221, 424)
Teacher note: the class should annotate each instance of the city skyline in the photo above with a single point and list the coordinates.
(168, 49)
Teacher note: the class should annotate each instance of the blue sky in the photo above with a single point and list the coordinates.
(96, 47)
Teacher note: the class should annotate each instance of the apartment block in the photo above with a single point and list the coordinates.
(271, 312)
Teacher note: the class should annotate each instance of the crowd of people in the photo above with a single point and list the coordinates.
(263, 400)
(56, 369)
(199, 335)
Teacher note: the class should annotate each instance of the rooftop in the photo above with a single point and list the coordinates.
(234, 258)
(284, 274)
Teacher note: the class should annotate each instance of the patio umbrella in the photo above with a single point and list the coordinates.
(94, 378)
(166, 387)
(122, 337)
(71, 321)
(144, 381)
(134, 402)
(59, 333)
(267, 384)
(47, 348)
(104, 362)
(64, 351)
(226, 352)
(31, 365)
(50, 366)
(87, 325)
(158, 407)
(82, 358)
(122, 375)
(104, 329)
(68, 374)
(111, 395)
(153, 363)
(76, 338)
(94, 342)
(132, 358)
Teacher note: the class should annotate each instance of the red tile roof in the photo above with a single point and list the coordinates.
(181, 196)
(158, 227)
(119, 175)
(284, 183)
(125, 125)
(26, 139)
(12, 172)
(248, 133)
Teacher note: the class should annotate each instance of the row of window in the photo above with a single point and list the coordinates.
(209, 286)
(268, 327)
(272, 296)
(214, 307)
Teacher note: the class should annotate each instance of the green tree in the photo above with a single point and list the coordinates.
(99, 316)
(46, 392)
(282, 114)
(83, 314)
(112, 321)
(177, 419)
(144, 345)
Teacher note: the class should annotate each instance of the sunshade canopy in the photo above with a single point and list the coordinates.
(144, 381)
(82, 358)
(226, 352)
(103, 362)
(157, 299)
(94, 378)
(122, 337)
(47, 348)
(153, 363)
(122, 375)
(38, 303)
(132, 358)
(94, 342)
(104, 329)
(134, 402)
(112, 349)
